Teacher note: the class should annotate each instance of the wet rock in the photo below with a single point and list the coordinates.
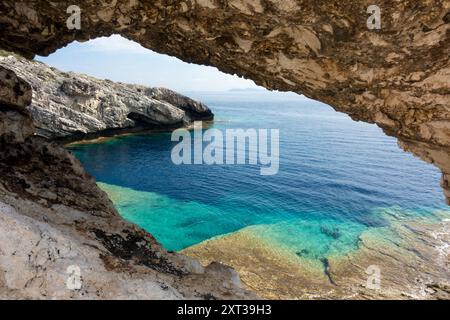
(411, 254)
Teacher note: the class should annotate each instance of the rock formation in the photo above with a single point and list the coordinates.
(396, 77)
(73, 106)
(57, 226)
(411, 255)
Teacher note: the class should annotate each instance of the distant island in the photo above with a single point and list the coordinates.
(247, 90)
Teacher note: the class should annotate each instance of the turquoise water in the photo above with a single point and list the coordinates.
(336, 178)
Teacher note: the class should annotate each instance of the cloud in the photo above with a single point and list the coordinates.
(120, 59)
(115, 44)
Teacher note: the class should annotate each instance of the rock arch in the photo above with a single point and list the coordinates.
(397, 77)
(53, 214)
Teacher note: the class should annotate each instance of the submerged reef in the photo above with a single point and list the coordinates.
(410, 253)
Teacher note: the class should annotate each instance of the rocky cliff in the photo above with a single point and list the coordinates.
(61, 237)
(396, 77)
(73, 106)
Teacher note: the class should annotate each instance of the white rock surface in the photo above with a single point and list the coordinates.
(72, 104)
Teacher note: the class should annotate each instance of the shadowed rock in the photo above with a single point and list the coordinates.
(14, 92)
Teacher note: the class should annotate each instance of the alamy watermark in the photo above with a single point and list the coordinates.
(73, 281)
(374, 279)
(374, 20)
(74, 21)
(228, 147)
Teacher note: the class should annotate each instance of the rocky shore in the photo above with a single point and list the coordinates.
(53, 216)
(411, 254)
(72, 106)
(60, 235)
(395, 77)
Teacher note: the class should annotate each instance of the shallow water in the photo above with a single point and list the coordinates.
(336, 177)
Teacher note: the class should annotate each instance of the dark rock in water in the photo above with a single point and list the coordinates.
(302, 253)
(73, 106)
(332, 232)
(326, 270)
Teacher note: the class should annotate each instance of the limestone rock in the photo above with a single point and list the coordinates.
(14, 127)
(71, 105)
(396, 77)
(61, 237)
(54, 221)
(411, 254)
(14, 92)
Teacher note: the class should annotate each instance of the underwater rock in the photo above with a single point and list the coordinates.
(411, 254)
(332, 232)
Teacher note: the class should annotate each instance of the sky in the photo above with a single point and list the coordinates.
(118, 59)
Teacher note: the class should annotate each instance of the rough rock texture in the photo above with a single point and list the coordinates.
(71, 105)
(412, 255)
(53, 217)
(58, 229)
(14, 92)
(396, 77)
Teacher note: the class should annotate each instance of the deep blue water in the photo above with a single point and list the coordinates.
(335, 177)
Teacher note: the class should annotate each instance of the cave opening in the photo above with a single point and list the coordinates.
(345, 201)
(345, 178)
(330, 161)
(119, 59)
(339, 179)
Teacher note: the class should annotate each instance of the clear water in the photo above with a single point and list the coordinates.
(336, 178)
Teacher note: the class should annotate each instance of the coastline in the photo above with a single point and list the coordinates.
(402, 251)
(184, 232)
(100, 137)
(411, 252)
(88, 108)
